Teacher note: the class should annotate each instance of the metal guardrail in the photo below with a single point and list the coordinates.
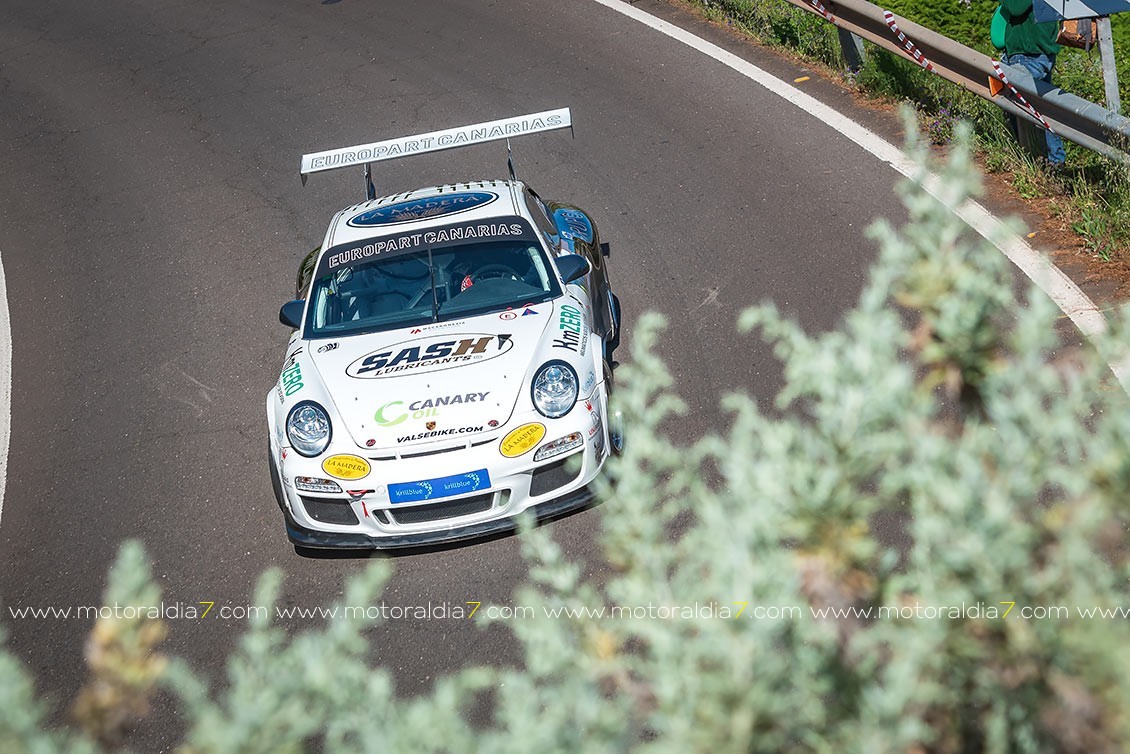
(1085, 123)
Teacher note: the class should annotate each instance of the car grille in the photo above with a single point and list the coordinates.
(553, 475)
(329, 511)
(432, 451)
(466, 506)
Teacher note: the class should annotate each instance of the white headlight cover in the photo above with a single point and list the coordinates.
(554, 389)
(308, 428)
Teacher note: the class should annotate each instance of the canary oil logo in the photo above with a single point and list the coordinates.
(394, 412)
(388, 415)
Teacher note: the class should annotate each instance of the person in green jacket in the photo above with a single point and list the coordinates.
(1032, 46)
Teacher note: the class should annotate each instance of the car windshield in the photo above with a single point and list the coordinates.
(433, 285)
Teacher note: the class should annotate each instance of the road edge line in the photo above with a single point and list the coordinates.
(5, 385)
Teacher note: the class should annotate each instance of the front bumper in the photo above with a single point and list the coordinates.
(311, 538)
(372, 518)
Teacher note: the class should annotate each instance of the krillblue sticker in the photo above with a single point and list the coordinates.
(434, 489)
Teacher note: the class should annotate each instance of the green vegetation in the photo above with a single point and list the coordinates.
(1092, 196)
(905, 554)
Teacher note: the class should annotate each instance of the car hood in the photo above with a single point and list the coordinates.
(433, 383)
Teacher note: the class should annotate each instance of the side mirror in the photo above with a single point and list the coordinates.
(573, 267)
(291, 313)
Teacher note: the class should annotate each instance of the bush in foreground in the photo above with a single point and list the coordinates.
(879, 564)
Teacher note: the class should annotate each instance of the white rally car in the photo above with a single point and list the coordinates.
(450, 364)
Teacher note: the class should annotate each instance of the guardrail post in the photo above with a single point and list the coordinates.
(1031, 138)
(851, 47)
(1110, 73)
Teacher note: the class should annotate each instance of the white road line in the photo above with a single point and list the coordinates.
(5, 385)
(1051, 280)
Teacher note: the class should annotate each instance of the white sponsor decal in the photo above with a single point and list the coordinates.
(430, 355)
(414, 240)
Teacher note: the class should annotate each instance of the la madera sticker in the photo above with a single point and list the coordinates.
(522, 440)
(346, 467)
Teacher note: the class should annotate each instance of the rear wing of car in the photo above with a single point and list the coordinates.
(435, 141)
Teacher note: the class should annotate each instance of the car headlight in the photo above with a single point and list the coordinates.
(554, 389)
(316, 484)
(308, 428)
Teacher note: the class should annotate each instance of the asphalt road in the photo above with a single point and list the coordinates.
(152, 219)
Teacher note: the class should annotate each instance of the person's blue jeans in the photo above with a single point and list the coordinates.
(1040, 66)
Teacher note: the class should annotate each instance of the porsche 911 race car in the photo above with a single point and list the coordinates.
(450, 364)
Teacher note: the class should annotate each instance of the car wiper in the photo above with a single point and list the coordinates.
(435, 299)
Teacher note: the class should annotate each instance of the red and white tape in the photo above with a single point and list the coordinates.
(909, 46)
(1031, 110)
(822, 10)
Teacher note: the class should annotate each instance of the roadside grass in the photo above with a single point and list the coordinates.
(1091, 198)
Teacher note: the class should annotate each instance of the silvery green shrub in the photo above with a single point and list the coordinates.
(877, 563)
